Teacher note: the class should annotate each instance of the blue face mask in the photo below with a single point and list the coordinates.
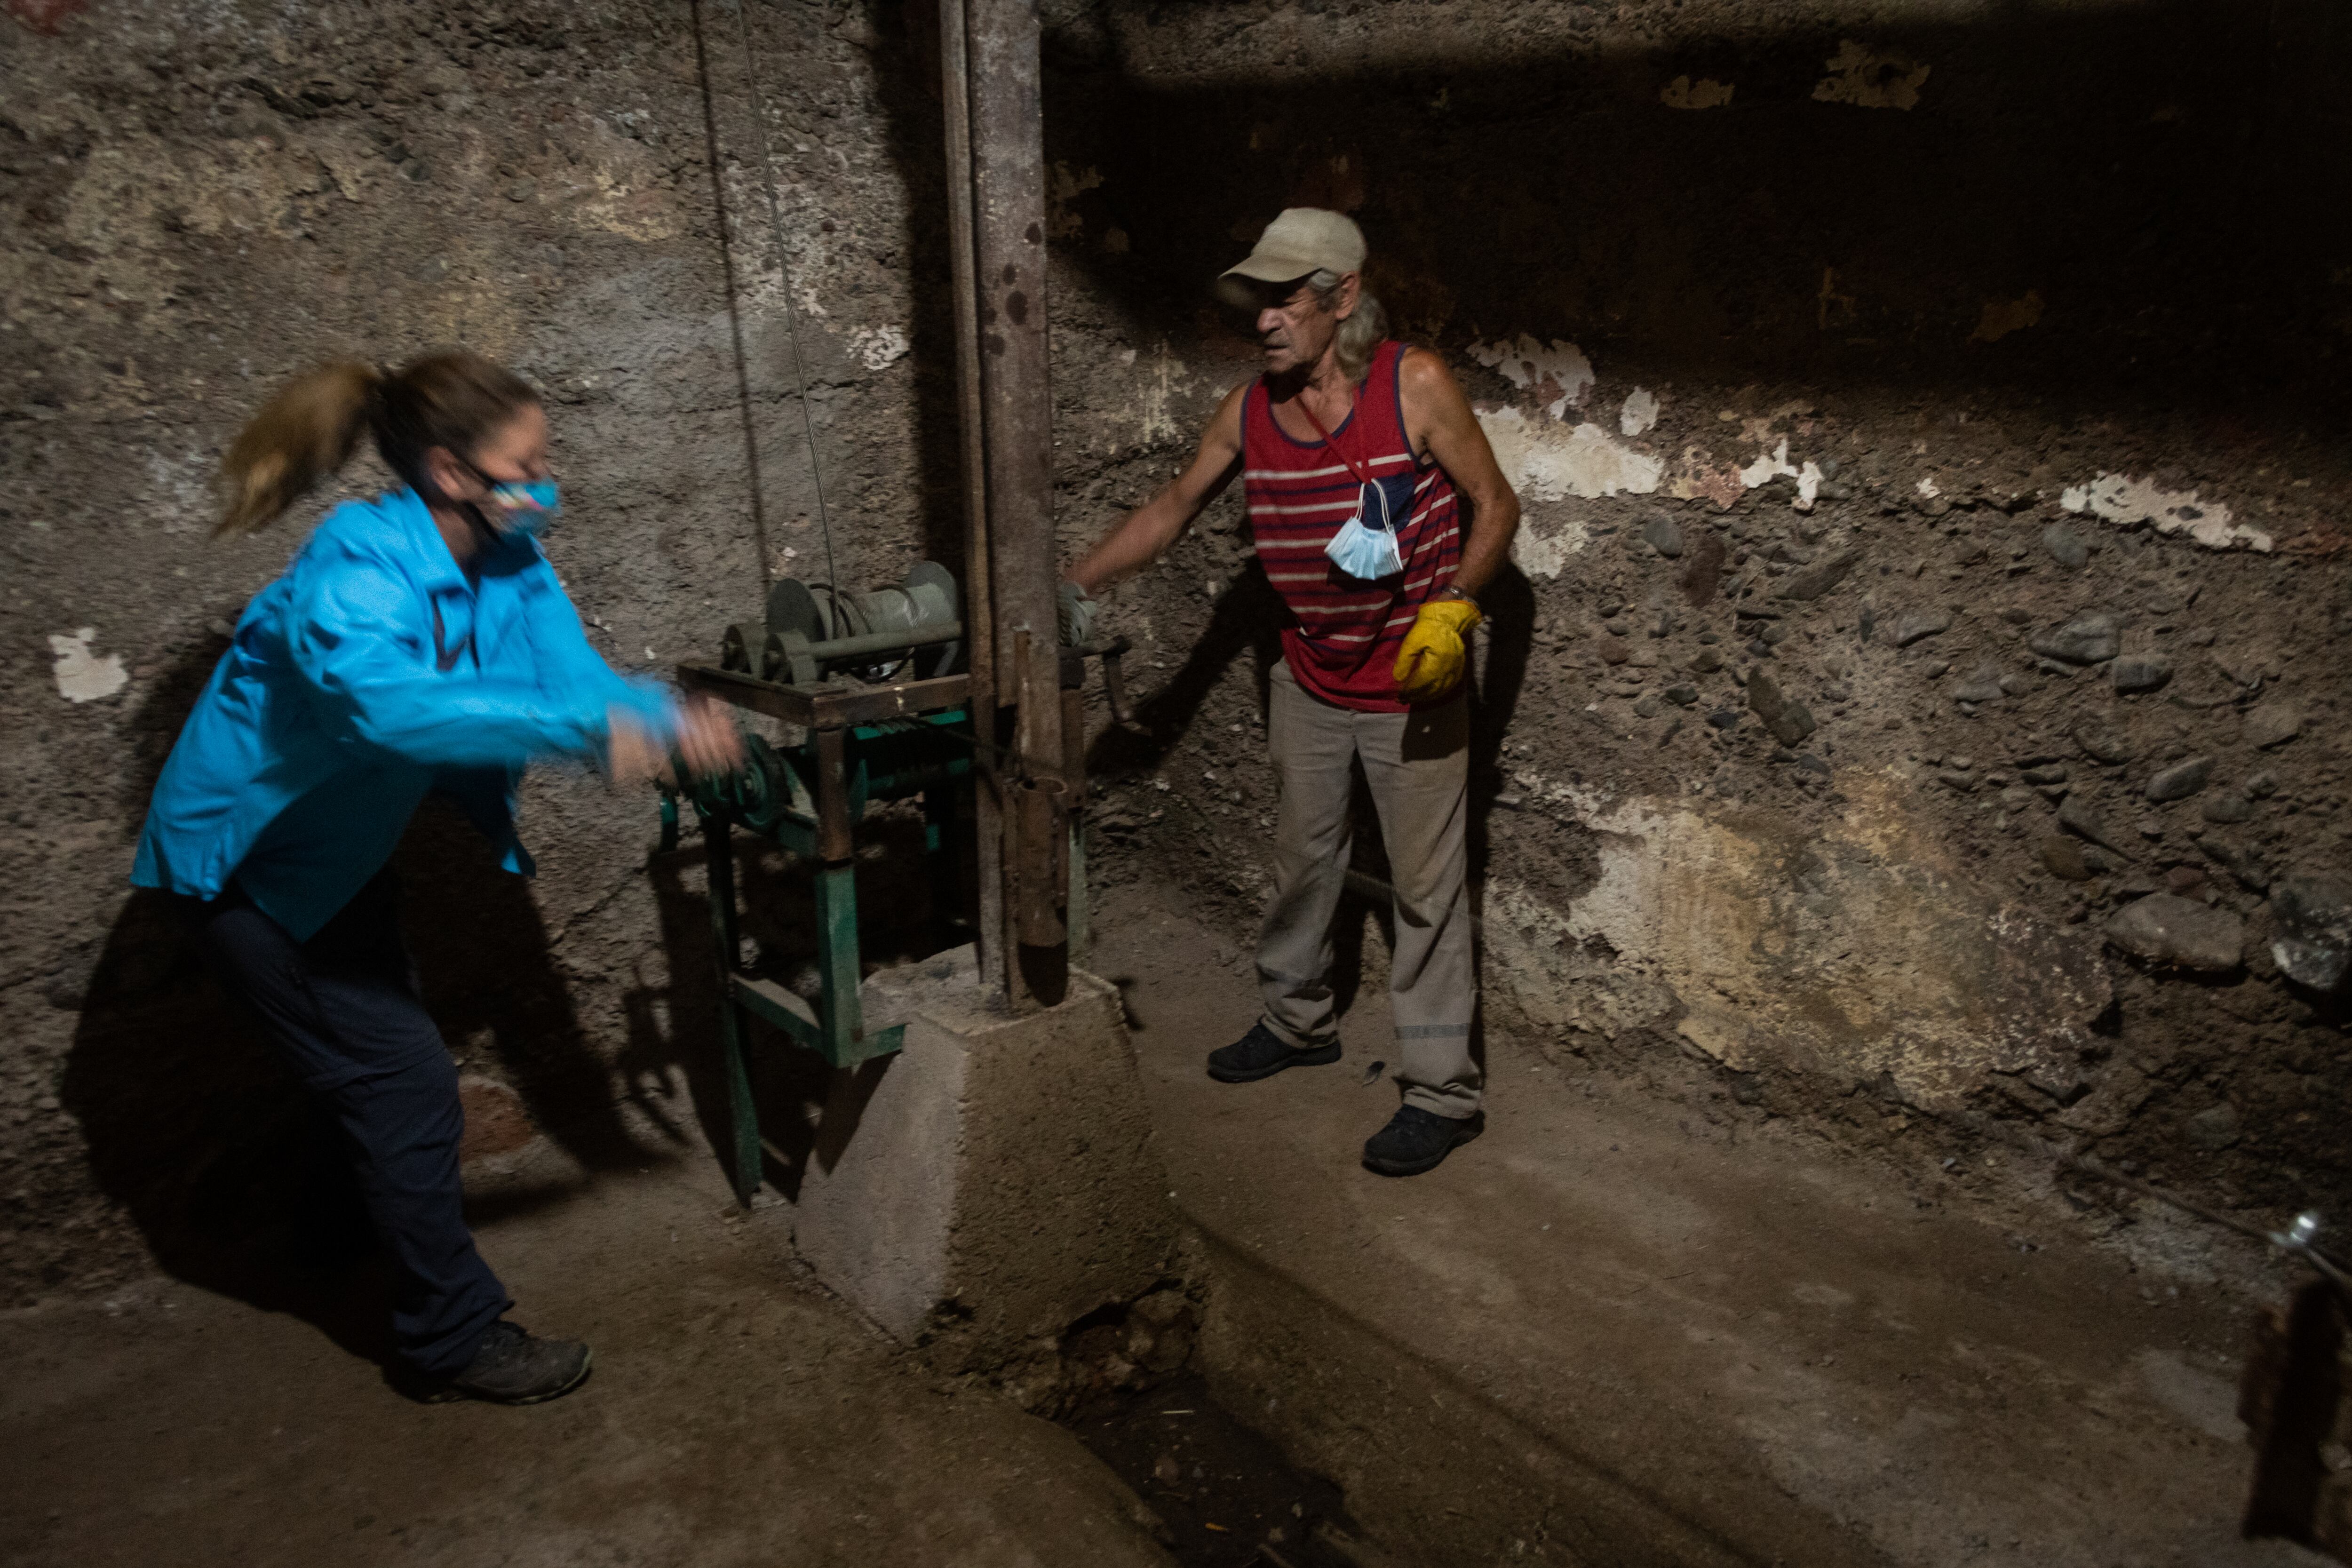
(525, 508)
(1365, 547)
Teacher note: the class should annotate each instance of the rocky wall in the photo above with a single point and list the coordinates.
(1859, 348)
(1919, 699)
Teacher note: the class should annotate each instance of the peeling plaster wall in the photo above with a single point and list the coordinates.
(1943, 326)
(202, 201)
(1948, 314)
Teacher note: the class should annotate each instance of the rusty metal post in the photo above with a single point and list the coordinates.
(979, 610)
(836, 842)
(1073, 780)
(1005, 166)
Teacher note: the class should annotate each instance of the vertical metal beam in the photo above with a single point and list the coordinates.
(742, 1113)
(1005, 165)
(1074, 775)
(979, 610)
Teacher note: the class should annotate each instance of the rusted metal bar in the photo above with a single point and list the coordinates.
(1009, 242)
(1073, 745)
(1035, 870)
(979, 612)
(1040, 881)
(822, 708)
(845, 648)
(834, 843)
(742, 1115)
(1073, 774)
(1008, 163)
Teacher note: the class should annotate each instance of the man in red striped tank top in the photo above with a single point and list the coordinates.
(1379, 513)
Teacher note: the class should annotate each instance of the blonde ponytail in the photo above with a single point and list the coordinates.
(452, 398)
(301, 436)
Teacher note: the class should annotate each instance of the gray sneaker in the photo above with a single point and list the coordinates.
(515, 1366)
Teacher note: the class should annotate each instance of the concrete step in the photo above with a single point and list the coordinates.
(1616, 1330)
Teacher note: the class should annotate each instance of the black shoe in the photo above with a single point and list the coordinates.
(515, 1366)
(1416, 1140)
(1262, 1053)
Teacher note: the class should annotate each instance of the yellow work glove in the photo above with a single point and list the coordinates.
(1430, 663)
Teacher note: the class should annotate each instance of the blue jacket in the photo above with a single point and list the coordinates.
(368, 674)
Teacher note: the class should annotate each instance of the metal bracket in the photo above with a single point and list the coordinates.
(774, 1005)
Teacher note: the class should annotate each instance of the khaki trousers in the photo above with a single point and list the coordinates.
(1418, 765)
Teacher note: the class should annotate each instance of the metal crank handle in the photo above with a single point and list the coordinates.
(1114, 678)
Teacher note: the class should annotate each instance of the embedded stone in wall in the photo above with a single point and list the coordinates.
(1920, 624)
(1790, 720)
(2214, 1128)
(2101, 744)
(2091, 637)
(1817, 579)
(2314, 940)
(2273, 724)
(2166, 929)
(2182, 780)
(2245, 864)
(2066, 547)
(2064, 858)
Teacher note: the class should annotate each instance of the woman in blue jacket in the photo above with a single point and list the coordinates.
(419, 642)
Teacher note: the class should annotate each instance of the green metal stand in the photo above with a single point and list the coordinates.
(807, 800)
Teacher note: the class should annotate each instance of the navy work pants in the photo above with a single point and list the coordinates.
(342, 1011)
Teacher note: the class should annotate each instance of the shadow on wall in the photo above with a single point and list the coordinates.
(193, 1127)
(1810, 220)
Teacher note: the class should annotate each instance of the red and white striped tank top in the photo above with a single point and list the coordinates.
(1342, 639)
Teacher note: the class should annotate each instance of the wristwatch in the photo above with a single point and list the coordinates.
(1451, 592)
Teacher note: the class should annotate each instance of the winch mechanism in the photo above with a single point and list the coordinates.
(812, 631)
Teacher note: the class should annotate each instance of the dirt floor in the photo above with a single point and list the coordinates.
(1613, 1330)
(736, 1415)
(1804, 1356)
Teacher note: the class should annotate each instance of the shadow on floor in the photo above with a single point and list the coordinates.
(194, 1128)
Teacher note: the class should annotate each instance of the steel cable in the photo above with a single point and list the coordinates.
(784, 271)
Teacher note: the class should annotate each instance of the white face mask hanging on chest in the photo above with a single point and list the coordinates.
(1366, 546)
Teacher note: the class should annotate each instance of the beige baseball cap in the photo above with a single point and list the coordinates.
(1299, 241)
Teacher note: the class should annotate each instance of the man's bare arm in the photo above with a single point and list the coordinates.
(1145, 534)
(1438, 414)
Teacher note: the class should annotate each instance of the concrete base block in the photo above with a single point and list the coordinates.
(994, 1181)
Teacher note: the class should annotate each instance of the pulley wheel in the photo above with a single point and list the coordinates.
(738, 649)
(791, 608)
